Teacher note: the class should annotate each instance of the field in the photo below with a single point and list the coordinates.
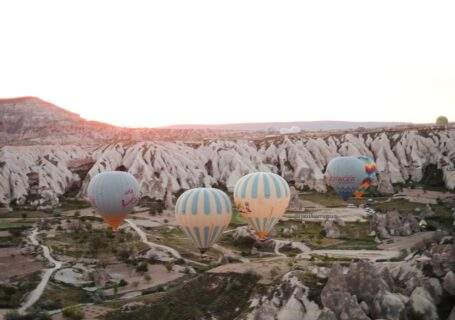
(77, 236)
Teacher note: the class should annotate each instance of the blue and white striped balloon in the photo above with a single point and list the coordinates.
(203, 214)
(262, 198)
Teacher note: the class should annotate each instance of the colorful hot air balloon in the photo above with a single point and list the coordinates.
(344, 175)
(203, 214)
(114, 194)
(370, 170)
(262, 198)
(370, 166)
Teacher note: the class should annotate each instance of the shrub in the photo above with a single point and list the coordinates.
(13, 315)
(122, 283)
(34, 314)
(168, 266)
(123, 254)
(15, 232)
(275, 271)
(142, 267)
(73, 313)
(51, 304)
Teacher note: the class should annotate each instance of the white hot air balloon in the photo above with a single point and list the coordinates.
(262, 198)
(203, 214)
(345, 174)
(113, 194)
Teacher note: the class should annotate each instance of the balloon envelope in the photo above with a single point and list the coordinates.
(344, 175)
(370, 180)
(203, 214)
(262, 198)
(114, 194)
(369, 165)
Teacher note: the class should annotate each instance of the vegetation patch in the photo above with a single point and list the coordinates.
(24, 214)
(315, 285)
(21, 225)
(220, 296)
(329, 199)
(354, 244)
(237, 219)
(14, 240)
(402, 205)
(82, 241)
(11, 294)
(177, 239)
(310, 232)
(73, 204)
(59, 296)
(433, 177)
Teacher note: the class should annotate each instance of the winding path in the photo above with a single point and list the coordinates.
(172, 251)
(372, 255)
(34, 296)
(229, 252)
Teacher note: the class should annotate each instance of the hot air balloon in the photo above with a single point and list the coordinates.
(370, 170)
(203, 214)
(113, 194)
(262, 198)
(344, 175)
(369, 165)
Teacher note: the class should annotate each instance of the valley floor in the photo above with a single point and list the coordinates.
(149, 264)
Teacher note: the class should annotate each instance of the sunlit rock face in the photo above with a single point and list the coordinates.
(38, 175)
(41, 174)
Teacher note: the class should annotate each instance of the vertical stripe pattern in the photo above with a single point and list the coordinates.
(203, 213)
(262, 198)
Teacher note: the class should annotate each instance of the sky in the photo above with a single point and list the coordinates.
(154, 63)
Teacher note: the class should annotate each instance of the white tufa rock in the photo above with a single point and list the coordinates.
(44, 173)
(288, 301)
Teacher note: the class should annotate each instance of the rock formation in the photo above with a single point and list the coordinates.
(287, 301)
(42, 174)
(395, 224)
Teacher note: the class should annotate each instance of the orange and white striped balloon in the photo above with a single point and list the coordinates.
(262, 198)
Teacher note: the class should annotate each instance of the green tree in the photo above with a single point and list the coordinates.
(442, 121)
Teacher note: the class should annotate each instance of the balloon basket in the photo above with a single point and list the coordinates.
(204, 255)
(262, 236)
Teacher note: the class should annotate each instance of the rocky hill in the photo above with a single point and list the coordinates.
(31, 121)
(40, 175)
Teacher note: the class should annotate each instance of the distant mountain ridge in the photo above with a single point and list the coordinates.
(321, 125)
(30, 120)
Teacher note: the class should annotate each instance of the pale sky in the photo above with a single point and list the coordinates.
(152, 63)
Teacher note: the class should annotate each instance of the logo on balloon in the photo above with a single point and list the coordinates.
(132, 199)
(245, 209)
(336, 179)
